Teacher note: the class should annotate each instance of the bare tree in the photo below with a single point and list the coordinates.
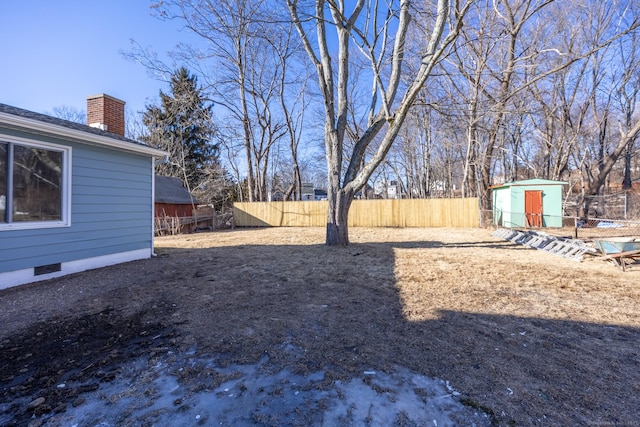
(390, 100)
(627, 96)
(424, 158)
(505, 56)
(245, 61)
(513, 17)
(614, 126)
(67, 112)
(562, 107)
(230, 142)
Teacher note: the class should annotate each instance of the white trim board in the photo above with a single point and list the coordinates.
(21, 277)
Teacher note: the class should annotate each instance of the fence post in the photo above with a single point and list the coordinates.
(575, 227)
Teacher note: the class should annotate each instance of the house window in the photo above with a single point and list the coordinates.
(33, 185)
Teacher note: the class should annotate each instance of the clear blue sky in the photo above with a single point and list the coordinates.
(57, 52)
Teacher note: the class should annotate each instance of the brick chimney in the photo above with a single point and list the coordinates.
(106, 112)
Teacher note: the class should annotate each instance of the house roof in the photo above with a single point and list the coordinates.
(172, 191)
(529, 182)
(19, 118)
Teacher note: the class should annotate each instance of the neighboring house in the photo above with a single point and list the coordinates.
(306, 192)
(388, 189)
(320, 194)
(72, 197)
(276, 196)
(172, 198)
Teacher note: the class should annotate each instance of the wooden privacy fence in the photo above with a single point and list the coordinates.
(363, 213)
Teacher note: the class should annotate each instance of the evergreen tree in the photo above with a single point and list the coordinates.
(182, 126)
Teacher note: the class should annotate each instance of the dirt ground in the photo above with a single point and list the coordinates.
(508, 334)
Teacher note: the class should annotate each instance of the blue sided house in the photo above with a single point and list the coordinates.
(72, 197)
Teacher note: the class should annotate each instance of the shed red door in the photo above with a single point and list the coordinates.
(533, 207)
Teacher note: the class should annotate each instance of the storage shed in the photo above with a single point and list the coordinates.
(72, 196)
(173, 198)
(528, 203)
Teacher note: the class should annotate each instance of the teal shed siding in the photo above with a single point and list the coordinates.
(502, 212)
(509, 202)
(111, 209)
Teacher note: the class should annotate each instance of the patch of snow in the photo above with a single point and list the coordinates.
(255, 395)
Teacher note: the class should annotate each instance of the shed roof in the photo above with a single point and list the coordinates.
(529, 182)
(19, 118)
(172, 190)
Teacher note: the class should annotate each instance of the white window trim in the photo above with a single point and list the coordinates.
(66, 185)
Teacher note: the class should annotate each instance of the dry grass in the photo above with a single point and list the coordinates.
(527, 336)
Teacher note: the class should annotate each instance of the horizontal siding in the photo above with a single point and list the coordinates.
(90, 185)
(109, 163)
(78, 227)
(68, 251)
(70, 237)
(111, 212)
(72, 255)
(127, 199)
(107, 209)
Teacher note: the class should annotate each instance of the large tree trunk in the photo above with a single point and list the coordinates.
(247, 137)
(338, 217)
(341, 188)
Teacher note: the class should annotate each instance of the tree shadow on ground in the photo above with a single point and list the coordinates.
(342, 310)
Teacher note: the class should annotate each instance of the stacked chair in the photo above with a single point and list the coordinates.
(572, 249)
